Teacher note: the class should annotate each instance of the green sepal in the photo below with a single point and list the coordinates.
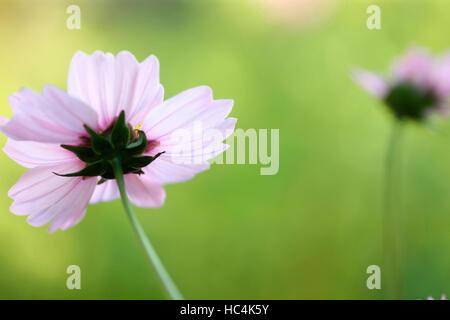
(120, 135)
(119, 141)
(92, 170)
(143, 161)
(139, 146)
(100, 144)
(85, 154)
(109, 172)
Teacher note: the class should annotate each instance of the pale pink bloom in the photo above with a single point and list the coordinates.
(99, 87)
(428, 75)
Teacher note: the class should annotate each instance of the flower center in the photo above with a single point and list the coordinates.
(407, 100)
(118, 142)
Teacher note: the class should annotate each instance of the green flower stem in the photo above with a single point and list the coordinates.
(392, 222)
(169, 286)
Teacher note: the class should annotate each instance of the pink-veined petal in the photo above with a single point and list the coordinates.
(53, 117)
(45, 196)
(194, 138)
(39, 188)
(71, 209)
(41, 196)
(42, 176)
(163, 170)
(106, 191)
(32, 154)
(190, 128)
(110, 84)
(177, 112)
(143, 191)
(191, 148)
(191, 123)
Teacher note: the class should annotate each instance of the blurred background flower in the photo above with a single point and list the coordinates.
(416, 88)
(310, 231)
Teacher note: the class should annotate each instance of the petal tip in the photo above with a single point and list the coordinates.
(370, 82)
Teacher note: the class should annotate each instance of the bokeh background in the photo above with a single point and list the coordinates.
(308, 232)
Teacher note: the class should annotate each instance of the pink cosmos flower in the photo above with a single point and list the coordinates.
(417, 86)
(56, 132)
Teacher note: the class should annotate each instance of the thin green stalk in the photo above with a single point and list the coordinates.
(166, 281)
(392, 223)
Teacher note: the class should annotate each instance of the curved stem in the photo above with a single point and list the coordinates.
(392, 224)
(164, 277)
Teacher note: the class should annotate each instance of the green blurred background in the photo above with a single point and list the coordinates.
(308, 232)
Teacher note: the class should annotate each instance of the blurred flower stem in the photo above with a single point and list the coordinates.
(166, 281)
(392, 222)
